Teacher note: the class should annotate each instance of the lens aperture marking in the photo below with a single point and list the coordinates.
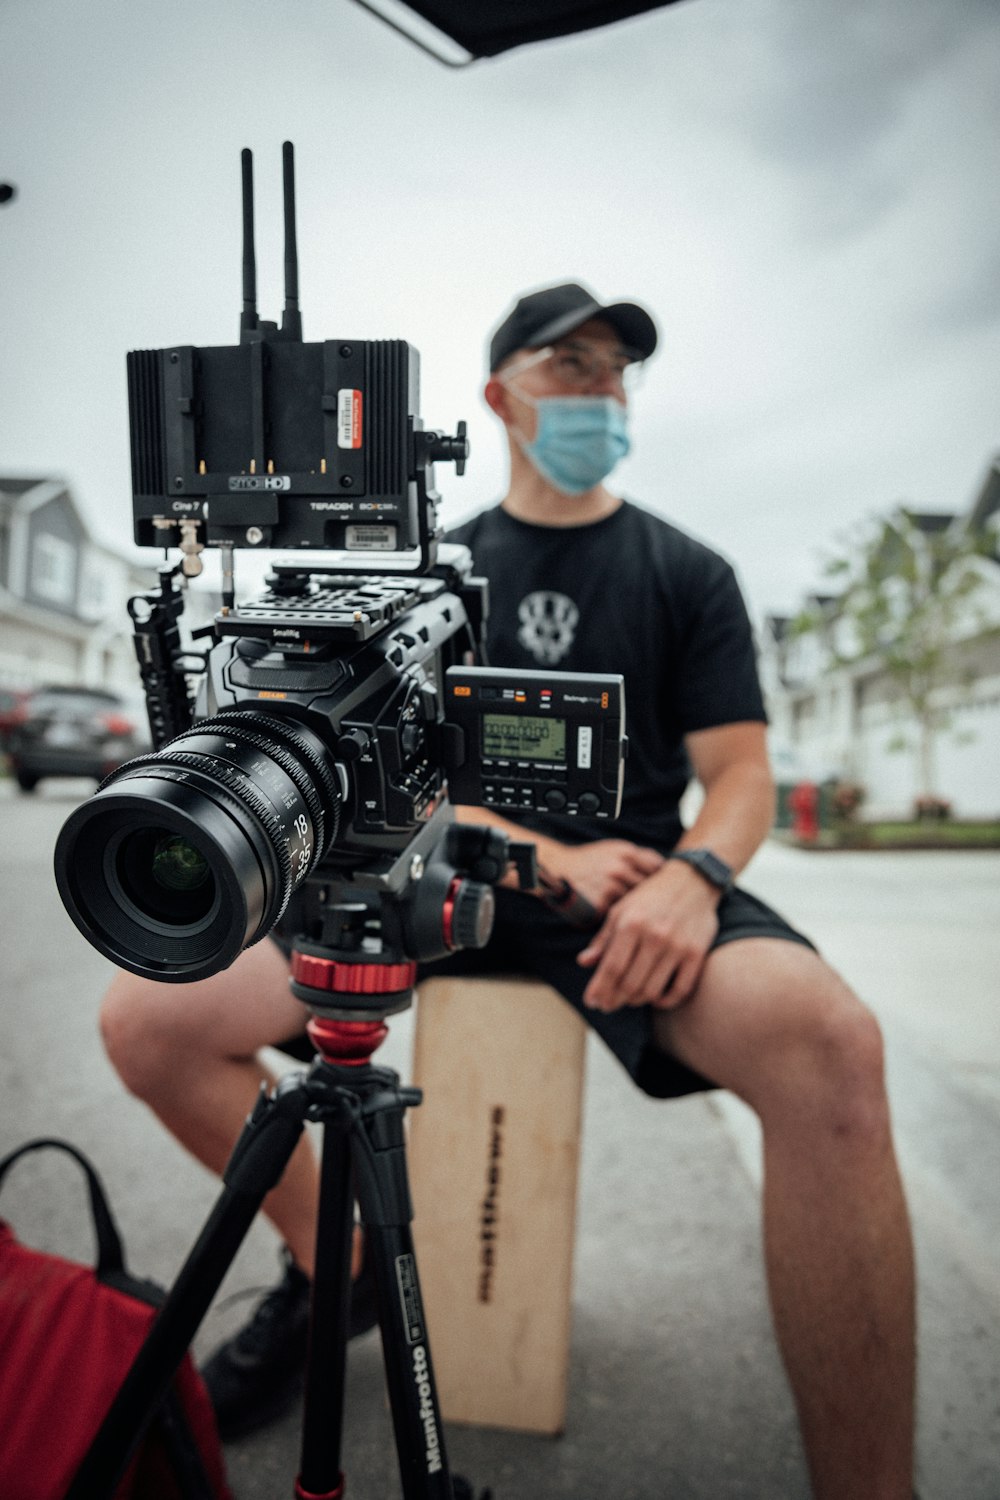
(302, 758)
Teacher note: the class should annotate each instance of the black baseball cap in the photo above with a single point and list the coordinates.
(540, 317)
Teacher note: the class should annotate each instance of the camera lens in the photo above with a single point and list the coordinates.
(188, 855)
(178, 865)
(164, 875)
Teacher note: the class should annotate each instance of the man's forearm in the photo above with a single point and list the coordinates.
(736, 816)
(596, 873)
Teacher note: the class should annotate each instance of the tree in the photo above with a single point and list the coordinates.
(908, 595)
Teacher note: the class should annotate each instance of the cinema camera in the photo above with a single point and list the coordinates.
(335, 713)
(334, 717)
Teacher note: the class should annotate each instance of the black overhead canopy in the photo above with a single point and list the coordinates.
(484, 30)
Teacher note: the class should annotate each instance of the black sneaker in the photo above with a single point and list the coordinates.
(257, 1375)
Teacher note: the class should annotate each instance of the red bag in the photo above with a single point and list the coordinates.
(68, 1335)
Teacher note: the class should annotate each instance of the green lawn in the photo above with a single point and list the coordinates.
(949, 834)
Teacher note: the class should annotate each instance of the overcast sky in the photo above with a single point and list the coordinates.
(805, 194)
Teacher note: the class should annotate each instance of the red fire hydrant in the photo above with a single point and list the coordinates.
(803, 801)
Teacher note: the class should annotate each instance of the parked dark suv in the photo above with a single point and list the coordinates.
(73, 731)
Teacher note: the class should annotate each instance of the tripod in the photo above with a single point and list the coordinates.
(351, 986)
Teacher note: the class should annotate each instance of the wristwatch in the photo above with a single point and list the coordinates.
(709, 866)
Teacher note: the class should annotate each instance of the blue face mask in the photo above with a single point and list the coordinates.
(579, 440)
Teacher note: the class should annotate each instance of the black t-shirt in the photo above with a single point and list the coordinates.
(629, 594)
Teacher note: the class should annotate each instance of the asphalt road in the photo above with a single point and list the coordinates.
(676, 1387)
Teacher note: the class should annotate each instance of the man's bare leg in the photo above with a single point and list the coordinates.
(775, 1025)
(189, 1052)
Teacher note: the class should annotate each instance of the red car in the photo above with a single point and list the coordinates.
(72, 731)
(13, 708)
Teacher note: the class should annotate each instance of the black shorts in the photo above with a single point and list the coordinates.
(528, 938)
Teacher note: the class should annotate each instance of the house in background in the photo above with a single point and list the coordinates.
(831, 720)
(63, 594)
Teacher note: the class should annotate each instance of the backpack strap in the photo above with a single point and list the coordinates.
(110, 1255)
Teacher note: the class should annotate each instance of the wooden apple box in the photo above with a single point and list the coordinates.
(494, 1162)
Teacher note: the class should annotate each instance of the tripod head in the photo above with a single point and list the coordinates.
(356, 963)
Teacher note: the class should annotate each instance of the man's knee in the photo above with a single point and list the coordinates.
(825, 1067)
(128, 1032)
(773, 1023)
(140, 1037)
(157, 1034)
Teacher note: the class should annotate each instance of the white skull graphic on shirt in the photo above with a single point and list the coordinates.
(548, 625)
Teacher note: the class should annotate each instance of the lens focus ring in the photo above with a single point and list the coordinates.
(265, 734)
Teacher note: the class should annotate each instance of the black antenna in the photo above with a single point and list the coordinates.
(291, 318)
(248, 321)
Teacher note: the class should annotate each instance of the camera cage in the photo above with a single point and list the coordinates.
(335, 712)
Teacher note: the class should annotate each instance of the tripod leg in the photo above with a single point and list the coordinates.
(386, 1212)
(323, 1418)
(258, 1160)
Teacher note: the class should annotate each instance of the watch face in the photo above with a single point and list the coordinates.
(710, 865)
(714, 868)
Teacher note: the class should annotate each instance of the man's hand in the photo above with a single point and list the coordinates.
(652, 944)
(601, 872)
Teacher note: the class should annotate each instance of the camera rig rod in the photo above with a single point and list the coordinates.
(160, 655)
